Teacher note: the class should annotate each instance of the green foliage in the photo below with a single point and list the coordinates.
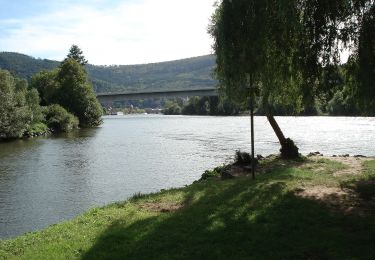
(214, 173)
(45, 83)
(337, 106)
(33, 101)
(57, 118)
(77, 95)
(255, 44)
(24, 66)
(68, 86)
(282, 46)
(213, 106)
(192, 73)
(76, 53)
(366, 62)
(225, 107)
(171, 108)
(197, 106)
(242, 158)
(18, 106)
(37, 129)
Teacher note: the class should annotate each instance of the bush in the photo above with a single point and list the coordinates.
(37, 129)
(216, 172)
(59, 119)
(171, 108)
(242, 158)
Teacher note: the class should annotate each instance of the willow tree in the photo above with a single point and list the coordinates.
(365, 56)
(280, 47)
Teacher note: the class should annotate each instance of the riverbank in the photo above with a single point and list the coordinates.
(313, 208)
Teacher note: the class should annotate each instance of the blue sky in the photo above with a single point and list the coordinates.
(108, 31)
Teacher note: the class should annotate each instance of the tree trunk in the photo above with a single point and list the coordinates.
(288, 149)
(276, 128)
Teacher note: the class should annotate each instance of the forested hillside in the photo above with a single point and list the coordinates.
(181, 74)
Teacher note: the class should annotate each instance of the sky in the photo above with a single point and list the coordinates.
(108, 31)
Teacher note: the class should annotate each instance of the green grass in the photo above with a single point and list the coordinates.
(213, 219)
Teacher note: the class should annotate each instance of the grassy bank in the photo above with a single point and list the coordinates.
(313, 209)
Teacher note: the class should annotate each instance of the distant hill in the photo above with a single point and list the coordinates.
(180, 74)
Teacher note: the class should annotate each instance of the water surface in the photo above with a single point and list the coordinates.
(47, 180)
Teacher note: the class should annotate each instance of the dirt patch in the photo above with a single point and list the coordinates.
(353, 164)
(322, 192)
(160, 206)
(313, 167)
(337, 199)
(236, 170)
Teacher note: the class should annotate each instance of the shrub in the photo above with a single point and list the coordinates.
(37, 129)
(216, 172)
(171, 108)
(242, 158)
(59, 119)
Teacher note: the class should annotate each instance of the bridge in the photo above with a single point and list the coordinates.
(109, 98)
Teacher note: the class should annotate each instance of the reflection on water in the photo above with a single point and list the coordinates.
(46, 180)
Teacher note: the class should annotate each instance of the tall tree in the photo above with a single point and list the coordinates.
(366, 61)
(76, 53)
(279, 46)
(15, 114)
(76, 93)
(45, 83)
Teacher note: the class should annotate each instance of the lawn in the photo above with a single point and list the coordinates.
(294, 209)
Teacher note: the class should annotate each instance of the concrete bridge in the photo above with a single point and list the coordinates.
(116, 97)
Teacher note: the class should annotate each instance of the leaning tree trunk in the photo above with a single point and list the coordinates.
(288, 149)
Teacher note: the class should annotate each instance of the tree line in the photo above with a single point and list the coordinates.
(61, 99)
(213, 106)
(338, 99)
(180, 74)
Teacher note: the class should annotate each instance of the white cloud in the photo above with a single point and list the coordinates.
(137, 32)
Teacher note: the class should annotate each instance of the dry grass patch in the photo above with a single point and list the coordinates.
(161, 206)
(339, 197)
(335, 198)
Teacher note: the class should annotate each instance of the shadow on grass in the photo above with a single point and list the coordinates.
(240, 219)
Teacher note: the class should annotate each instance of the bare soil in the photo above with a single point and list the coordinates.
(354, 165)
(336, 198)
(160, 206)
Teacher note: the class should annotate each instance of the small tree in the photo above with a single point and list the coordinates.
(76, 53)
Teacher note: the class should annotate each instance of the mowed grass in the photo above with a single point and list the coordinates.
(219, 219)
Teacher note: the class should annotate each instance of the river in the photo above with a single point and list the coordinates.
(47, 180)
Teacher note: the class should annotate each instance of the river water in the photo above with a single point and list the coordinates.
(47, 180)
